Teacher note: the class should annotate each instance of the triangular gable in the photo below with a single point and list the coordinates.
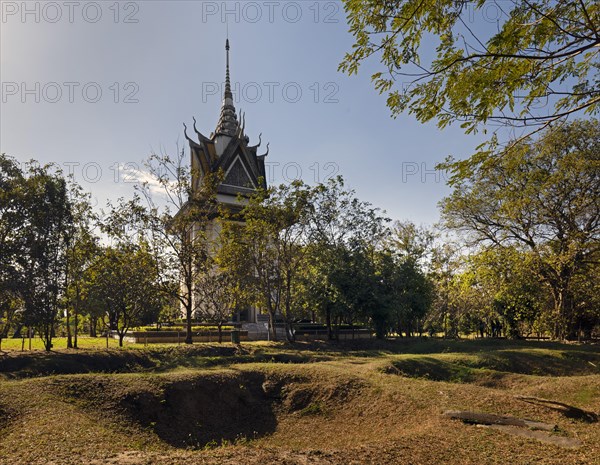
(234, 149)
(237, 175)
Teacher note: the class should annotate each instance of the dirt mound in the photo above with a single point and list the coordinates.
(309, 398)
(490, 369)
(432, 369)
(33, 364)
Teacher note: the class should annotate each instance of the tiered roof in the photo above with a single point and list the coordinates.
(228, 149)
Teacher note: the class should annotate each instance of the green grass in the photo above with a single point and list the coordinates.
(85, 342)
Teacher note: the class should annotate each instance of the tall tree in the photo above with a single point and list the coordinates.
(505, 282)
(125, 280)
(518, 62)
(446, 263)
(12, 245)
(46, 233)
(218, 293)
(411, 242)
(412, 295)
(276, 232)
(82, 247)
(542, 196)
(175, 220)
(344, 227)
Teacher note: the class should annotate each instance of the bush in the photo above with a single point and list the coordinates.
(195, 329)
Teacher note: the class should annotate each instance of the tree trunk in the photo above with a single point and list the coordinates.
(121, 336)
(5, 331)
(93, 326)
(76, 315)
(47, 339)
(69, 337)
(563, 315)
(289, 332)
(188, 323)
(328, 323)
(272, 325)
(220, 334)
(399, 329)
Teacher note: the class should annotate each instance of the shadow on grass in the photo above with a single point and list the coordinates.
(487, 368)
(569, 411)
(535, 362)
(431, 368)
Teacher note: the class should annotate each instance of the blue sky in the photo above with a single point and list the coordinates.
(157, 64)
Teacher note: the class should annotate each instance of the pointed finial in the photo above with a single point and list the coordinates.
(228, 122)
(227, 81)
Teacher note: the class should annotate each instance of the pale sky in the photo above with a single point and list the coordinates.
(95, 87)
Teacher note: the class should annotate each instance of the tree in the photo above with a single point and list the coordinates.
(82, 248)
(218, 294)
(177, 225)
(276, 232)
(410, 249)
(445, 265)
(412, 294)
(12, 246)
(503, 275)
(231, 258)
(344, 227)
(9, 313)
(538, 65)
(411, 242)
(43, 218)
(586, 292)
(542, 196)
(126, 282)
(358, 288)
(45, 231)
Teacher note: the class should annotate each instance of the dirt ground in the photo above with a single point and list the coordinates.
(367, 402)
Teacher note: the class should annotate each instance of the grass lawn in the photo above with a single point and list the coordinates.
(322, 403)
(61, 343)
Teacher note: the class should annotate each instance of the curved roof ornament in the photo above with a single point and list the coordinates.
(240, 129)
(185, 132)
(200, 135)
(267, 152)
(259, 142)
